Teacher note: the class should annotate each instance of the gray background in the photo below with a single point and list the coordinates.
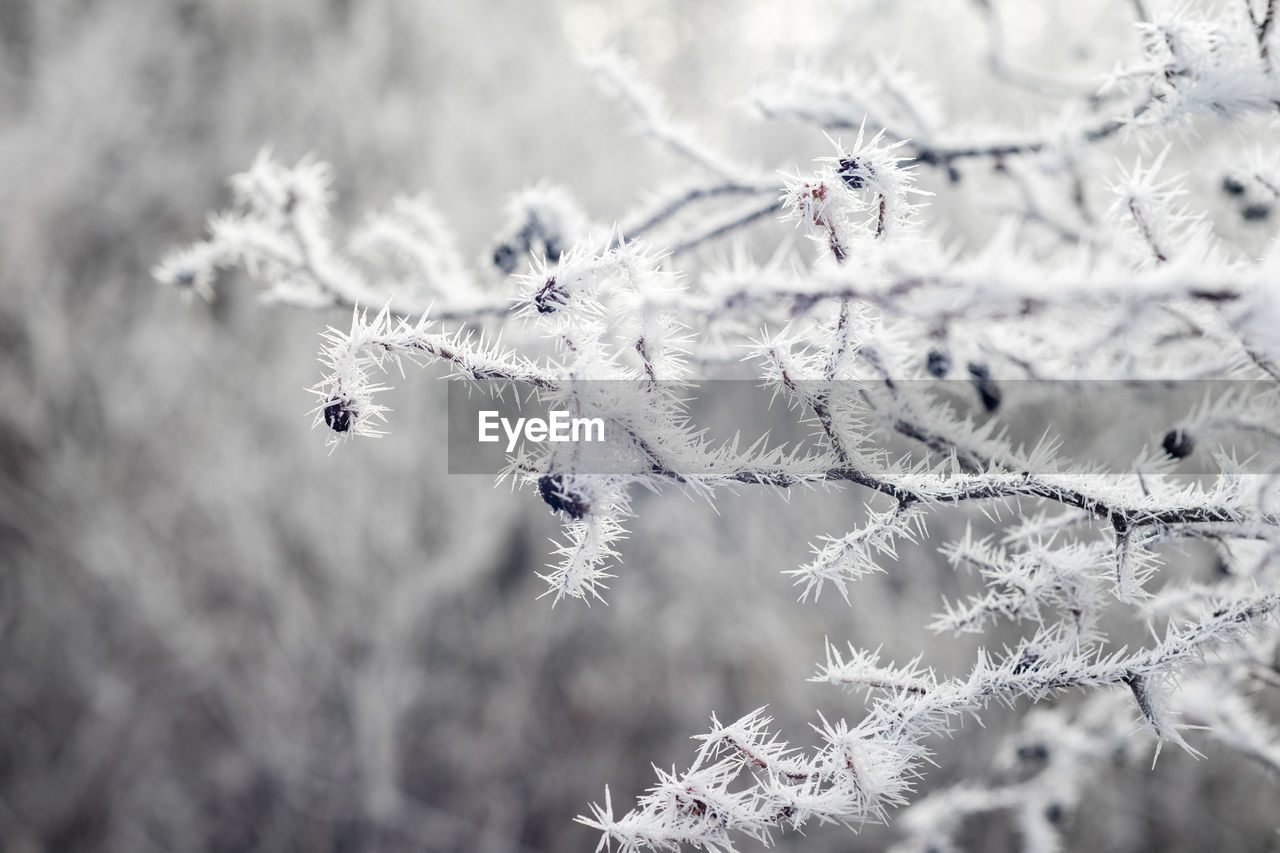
(217, 636)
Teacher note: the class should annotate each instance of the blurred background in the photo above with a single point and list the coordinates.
(216, 636)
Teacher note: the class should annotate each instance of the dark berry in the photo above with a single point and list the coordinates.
(338, 414)
(1231, 185)
(939, 362)
(186, 278)
(1054, 813)
(553, 491)
(988, 390)
(1178, 444)
(1255, 212)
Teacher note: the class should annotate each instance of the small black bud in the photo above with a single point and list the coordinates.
(990, 394)
(953, 174)
(186, 278)
(1231, 185)
(1033, 752)
(853, 173)
(1255, 212)
(338, 414)
(504, 258)
(550, 297)
(1027, 661)
(553, 491)
(1178, 444)
(939, 362)
(1054, 813)
(988, 390)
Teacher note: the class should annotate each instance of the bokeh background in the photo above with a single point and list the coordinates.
(216, 636)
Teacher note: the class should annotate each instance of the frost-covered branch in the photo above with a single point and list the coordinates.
(900, 351)
(746, 781)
